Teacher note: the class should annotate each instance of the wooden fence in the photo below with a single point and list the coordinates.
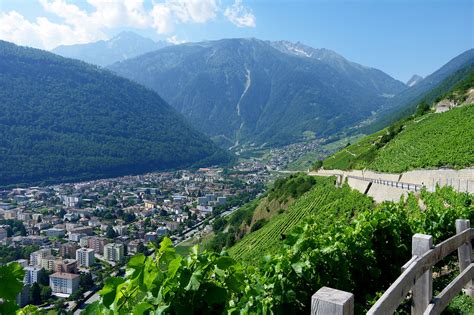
(416, 277)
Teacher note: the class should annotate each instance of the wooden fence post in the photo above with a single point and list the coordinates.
(465, 254)
(327, 301)
(423, 288)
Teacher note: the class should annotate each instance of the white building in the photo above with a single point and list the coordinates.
(120, 229)
(32, 273)
(64, 283)
(85, 256)
(55, 232)
(36, 257)
(3, 235)
(114, 252)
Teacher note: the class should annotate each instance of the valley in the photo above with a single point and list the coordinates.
(181, 157)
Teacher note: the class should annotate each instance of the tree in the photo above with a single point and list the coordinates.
(219, 224)
(422, 108)
(43, 277)
(35, 294)
(317, 165)
(141, 248)
(45, 292)
(110, 232)
(85, 281)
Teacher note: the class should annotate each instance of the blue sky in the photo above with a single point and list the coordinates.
(399, 37)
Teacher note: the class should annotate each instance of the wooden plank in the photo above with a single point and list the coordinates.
(328, 301)
(440, 302)
(465, 253)
(423, 287)
(408, 263)
(389, 301)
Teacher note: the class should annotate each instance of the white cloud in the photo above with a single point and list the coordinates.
(42, 33)
(79, 26)
(240, 15)
(167, 14)
(175, 40)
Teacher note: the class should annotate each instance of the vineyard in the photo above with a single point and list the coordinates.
(324, 202)
(439, 140)
(429, 141)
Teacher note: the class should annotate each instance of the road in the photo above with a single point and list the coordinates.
(192, 230)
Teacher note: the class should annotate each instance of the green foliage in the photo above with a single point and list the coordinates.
(219, 224)
(439, 140)
(258, 225)
(10, 253)
(35, 294)
(324, 201)
(317, 165)
(206, 281)
(62, 119)
(11, 279)
(14, 227)
(429, 141)
(292, 186)
(422, 108)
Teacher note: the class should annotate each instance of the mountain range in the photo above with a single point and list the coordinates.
(62, 119)
(428, 89)
(250, 91)
(105, 52)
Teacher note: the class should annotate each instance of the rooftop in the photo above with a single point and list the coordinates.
(64, 275)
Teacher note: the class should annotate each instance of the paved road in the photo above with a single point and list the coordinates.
(192, 230)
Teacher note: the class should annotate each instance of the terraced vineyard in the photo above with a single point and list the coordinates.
(439, 140)
(429, 141)
(355, 155)
(343, 204)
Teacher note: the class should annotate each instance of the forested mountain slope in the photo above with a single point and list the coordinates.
(244, 91)
(62, 119)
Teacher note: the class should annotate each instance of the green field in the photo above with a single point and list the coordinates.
(429, 141)
(314, 203)
(439, 140)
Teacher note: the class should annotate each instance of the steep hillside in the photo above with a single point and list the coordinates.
(105, 52)
(324, 202)
(430, 88)
(257, 213)
(62, 119)
(242, 91)
(427, 140)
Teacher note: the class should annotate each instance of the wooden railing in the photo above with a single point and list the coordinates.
(416, 277)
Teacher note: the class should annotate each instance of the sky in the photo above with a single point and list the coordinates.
(401, 38)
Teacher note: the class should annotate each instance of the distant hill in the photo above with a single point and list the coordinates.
(249, 91)
(429, 140)
(105, 52)
(62, 119)
(431, 87)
